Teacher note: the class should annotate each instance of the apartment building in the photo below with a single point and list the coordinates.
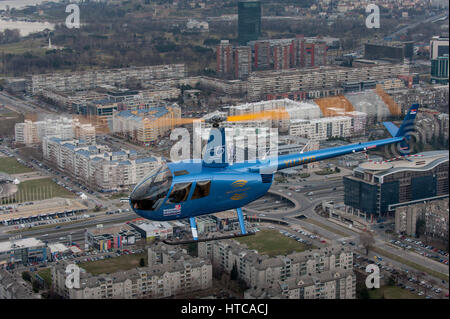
(68, 99)
(261, 83)
(323, 128)
(77, 101)
(145, 126)
(434, 97)
(96, 165)
(30, 132)
(170, 272)
(263, 271)
(229, 87)
(83, 80)
(281, 57)
(242, 62)
(337, 284)
(294, 109)
(262, 55)
(26, 133)
(433, 213)
(14, 287)
(224, 58)
(299, 52)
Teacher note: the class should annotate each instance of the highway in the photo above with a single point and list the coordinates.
(51, 234)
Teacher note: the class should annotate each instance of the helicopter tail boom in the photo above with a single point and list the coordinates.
(400, 135)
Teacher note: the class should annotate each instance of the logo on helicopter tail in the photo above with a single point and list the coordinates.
(239, 183)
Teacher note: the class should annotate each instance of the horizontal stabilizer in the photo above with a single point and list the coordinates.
(391, 128)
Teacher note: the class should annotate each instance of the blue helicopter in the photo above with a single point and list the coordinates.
(191, 188)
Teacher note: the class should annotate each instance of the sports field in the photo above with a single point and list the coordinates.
(11, 166)
(272, 243)
(38, 189)
(111, 265)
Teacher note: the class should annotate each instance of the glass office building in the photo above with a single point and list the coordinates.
(249, 21)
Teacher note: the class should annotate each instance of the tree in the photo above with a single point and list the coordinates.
(26, 276)
(361, 291)
(420, 227)
(142, 262)
(392, 281)
(366, 239)
(36, 286)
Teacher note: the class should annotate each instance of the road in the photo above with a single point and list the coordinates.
(51, 234)
(21, 106)
(326, 190)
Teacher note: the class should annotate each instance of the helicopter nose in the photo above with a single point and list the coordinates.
(137, 193)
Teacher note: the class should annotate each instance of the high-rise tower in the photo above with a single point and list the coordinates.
(249, 21)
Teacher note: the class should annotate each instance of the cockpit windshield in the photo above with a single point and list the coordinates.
(149, 194)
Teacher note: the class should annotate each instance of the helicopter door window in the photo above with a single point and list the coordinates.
(201, 189)
(180, 193)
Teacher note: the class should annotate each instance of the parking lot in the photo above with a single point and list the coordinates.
(422, 249)
(404, 278)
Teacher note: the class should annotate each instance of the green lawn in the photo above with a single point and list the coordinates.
(34, 46)
(124, 262)
(10, 165)
(119, 195)
(272, 243)
(46, 274)
(391, 292)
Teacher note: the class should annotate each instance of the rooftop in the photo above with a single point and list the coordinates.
(20, 243)
(421, 161)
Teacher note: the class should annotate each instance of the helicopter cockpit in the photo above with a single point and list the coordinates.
(150, 194)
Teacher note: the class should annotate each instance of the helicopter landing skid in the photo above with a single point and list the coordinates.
(195, 238)
(199, 240)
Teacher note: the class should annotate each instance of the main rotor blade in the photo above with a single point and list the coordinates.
(276, 114)
(101, 123)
